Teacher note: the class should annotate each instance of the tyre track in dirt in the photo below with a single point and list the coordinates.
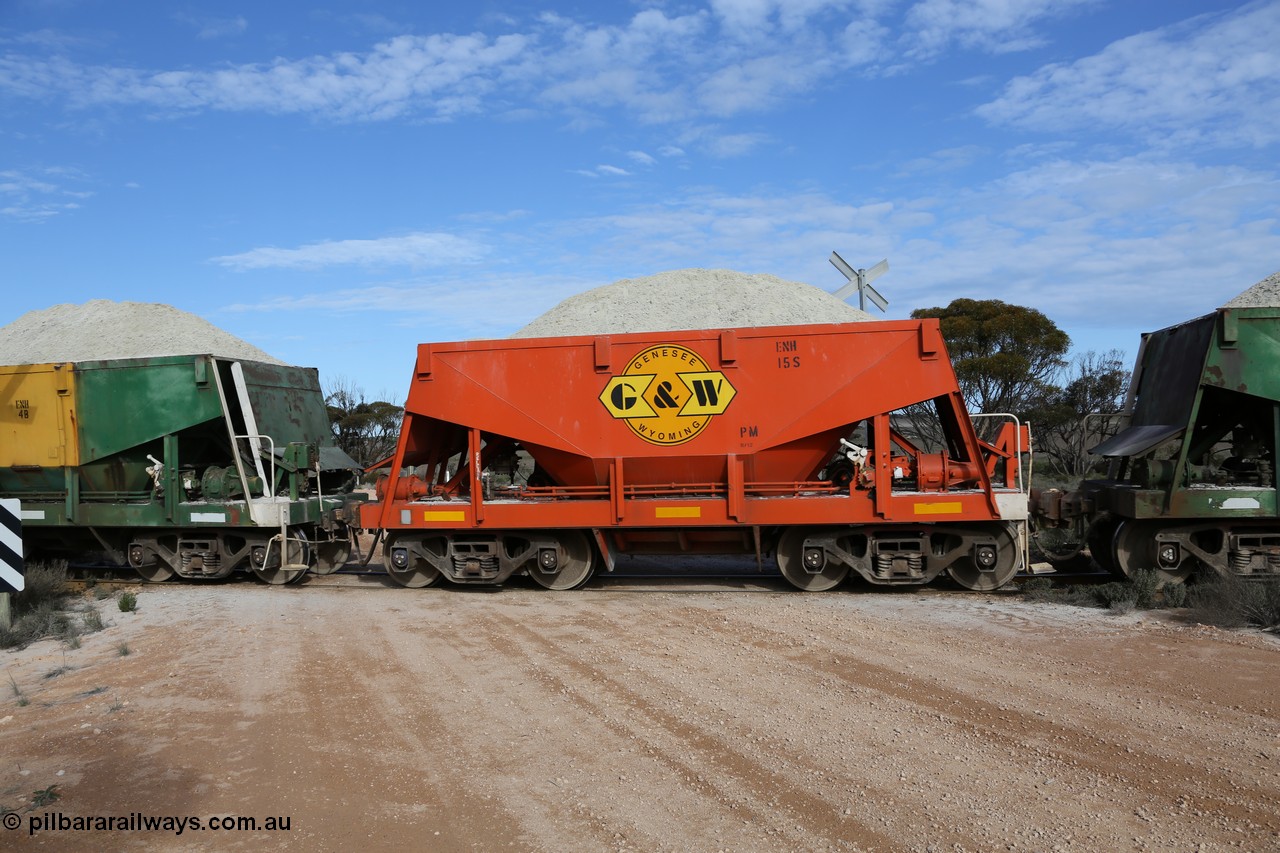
(1051, 749)
(492, 764)
(387, 740)
(1201, 791)
(817, 748)
(696, 753)
(613, 723)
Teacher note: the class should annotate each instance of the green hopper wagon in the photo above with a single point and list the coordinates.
(1191, 480)
(189, 465)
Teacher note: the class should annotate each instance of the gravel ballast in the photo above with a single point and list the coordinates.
(691, 299)
(102, 329)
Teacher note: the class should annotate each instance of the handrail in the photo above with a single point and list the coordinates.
(1017, 444)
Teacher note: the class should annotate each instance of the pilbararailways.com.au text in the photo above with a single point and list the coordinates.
(139, 822)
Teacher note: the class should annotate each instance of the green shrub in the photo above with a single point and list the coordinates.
(1108, 593)
(57, 671)
(45, 796)
(43, 583)
(1174, 595)
(1143, 591)
(1121, 606)
(1144, 584)
(37, 611)
(127, 602)
(1044, 589)
(92, 621)
(45, 620)
(1235, 602)
(1078, 595)
(1032, 586)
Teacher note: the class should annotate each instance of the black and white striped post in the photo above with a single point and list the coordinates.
(11, 579)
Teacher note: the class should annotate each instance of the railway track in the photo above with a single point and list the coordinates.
(702, 574)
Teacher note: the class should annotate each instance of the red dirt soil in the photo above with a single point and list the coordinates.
(645, 716)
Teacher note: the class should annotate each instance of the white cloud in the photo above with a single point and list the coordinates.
(418, 250)
(36, 197)
(1157, 241)
(642, 158)
(996, 26)
(757, 19)
(744, 16)
(734, 57)
(489, 217)
(760, 82)
(944, 160)
(735, 144)
(863, 42)
(46, 38)
(1212, 80)
(439, 75)
(641, 66)
(602, 170)
(212, 27)
(717, 143)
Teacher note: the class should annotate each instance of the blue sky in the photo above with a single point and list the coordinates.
(336, 185)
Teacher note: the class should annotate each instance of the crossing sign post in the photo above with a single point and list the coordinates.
(11, 579)
(860, 282)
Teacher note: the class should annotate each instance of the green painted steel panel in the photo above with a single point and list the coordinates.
(287, 402)
(1246, 354)
(126, 404)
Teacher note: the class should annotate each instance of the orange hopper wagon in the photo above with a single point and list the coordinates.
(552, 456)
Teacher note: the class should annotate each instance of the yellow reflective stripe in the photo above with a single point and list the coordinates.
(678, 512)
(444, 515)
(952, 508)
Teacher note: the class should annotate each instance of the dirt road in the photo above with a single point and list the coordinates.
(645, 716)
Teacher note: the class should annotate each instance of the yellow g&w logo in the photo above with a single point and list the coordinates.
(667, 395)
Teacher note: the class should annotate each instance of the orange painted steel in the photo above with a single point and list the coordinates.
(690, 429)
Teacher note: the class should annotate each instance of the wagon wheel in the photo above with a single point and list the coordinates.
(1100, 538)
(1135, 547)
(792, 558)
(1003, 564)
(405, 567)
(331, 555)
(297, 555)
(574, 562)
(159, 571)
(1062, 547)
